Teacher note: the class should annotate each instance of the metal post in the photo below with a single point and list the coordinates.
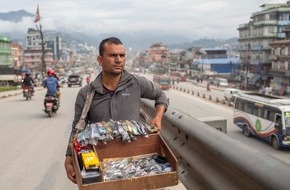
(43, 64)
(201, 65)
(247, 66)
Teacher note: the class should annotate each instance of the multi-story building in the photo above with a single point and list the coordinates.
(33, 52)
(158, 53)
(213, 61)
(56, 47)
(16, 56)
(156, 56)
(264, 27)
(5, 51)
(280, 57)
(217, 60)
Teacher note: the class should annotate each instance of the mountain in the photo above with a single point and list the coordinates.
(139, 41)
(15, 16)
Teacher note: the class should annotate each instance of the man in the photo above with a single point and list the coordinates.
(28, 81)
(51, 83)
(117, 94)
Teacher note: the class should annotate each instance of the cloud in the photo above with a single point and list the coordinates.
(195, 19)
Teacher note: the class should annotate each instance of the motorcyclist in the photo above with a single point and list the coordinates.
(51, 83)
(28, 81)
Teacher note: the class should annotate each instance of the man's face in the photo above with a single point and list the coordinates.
(113, 59)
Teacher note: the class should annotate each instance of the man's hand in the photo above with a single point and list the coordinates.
(156, 122)
(158, 117)
(70, 172)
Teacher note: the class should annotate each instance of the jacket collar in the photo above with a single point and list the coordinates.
(125, 81)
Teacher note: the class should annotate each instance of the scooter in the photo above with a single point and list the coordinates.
(27, 92)
(51, 104)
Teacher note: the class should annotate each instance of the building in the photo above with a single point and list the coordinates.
(56, 47)
(16, 56)
(33, 52)
(215, 60)
(264, 27)
(5, 51)
(280, 56)
(157, 57)
(158, 53)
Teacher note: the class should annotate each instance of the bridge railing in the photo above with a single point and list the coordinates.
(210, 159)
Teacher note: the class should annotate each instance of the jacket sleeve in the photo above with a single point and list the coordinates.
(79, 104)
(151, 91)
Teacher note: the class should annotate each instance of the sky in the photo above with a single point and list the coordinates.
(218, 19)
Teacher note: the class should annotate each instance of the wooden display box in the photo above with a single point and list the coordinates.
(116, 149)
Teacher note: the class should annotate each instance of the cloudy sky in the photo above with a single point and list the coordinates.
(192, 18)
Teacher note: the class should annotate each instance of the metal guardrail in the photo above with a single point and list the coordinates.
(209, 159)
(204, 95)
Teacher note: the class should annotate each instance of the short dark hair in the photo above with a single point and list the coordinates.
(110, 40)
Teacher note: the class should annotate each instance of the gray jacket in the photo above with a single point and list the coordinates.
(124, 104)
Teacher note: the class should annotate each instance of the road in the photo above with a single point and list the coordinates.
(198, 107)
(33, 145)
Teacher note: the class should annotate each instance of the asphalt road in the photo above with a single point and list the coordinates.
(32, 145)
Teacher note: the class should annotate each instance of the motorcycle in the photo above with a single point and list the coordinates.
(51, 104)
(27, 92)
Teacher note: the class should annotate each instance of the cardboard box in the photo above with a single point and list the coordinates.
(116, 149)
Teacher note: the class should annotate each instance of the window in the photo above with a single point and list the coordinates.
(258, 112)
(278, 119)
(249, 108)
(269, 114)
(239, 105)
(271, 30)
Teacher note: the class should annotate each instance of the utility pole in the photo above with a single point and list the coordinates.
(247, 64)
(43, 64)
(203, 56)
(39, 28)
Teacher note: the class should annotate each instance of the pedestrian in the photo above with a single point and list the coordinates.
(117, 94)
(208, 87)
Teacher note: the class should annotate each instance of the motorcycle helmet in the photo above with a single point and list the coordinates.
(50, 72)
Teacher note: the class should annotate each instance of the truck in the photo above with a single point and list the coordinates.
(10, 76)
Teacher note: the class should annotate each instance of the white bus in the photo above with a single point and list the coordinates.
(266, 117)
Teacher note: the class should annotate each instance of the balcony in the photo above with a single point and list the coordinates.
(5, 51)
(273, 57)
(266, 22)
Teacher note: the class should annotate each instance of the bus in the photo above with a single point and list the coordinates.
(162, 81)
(264, 116)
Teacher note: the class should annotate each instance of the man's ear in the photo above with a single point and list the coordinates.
(100, 60)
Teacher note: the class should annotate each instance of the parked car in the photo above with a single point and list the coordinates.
(74, 79)
(220, 82)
